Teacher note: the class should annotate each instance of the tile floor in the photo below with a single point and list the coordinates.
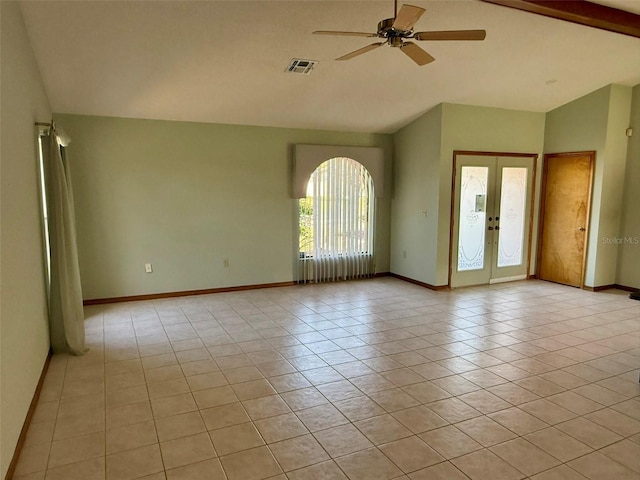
(377, 379)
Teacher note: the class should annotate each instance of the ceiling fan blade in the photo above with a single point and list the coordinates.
(407, 17)
(452, 35)
(415, 53)
(360, 51)
(345, 34)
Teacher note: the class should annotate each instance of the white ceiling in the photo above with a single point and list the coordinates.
(224, 61)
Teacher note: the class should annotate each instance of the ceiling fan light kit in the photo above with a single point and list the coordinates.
(398, 30)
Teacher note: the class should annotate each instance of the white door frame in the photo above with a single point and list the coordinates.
(520, 159)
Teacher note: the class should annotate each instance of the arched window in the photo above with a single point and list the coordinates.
(336, 223)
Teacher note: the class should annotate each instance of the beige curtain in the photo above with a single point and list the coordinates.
(66, 316)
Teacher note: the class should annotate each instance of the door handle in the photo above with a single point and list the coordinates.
(582, 229)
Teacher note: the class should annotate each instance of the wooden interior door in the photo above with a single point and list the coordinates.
(566, 197)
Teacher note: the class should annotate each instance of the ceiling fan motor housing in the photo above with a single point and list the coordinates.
(394, 37)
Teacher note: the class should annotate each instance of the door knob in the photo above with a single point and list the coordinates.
(582, 229)
(497, 228)
(490, 228)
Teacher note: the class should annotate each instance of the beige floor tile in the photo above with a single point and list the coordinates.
(382, 429)
(411, 454)
(126, 396)
(450, 442)
(33, 459)
(342, 440)
(426, 392)
(174, 405)
(130, 437)
(441, 471)
(630, 408)
(401, 377)
(93, 469)
(224, 416)
(575, 403)
(236, 438)
(558, 444)
(242, 374)
(304, 398)
(254, 464)
(253, 389)
(129, 414)
(418, 354)
(199, 367)
(71, 426)
(134, 463)
(320, 471)
(597, 466)
(518, 421)
(561, 472)
(321, 417)
(484, 378)
(186, 450)
(485, 431)
(547, 411)
(419, 419)
(600, 394)
(298, 452)
(393, 399)
(483, 465)
(589, 433)
(264, 407)
(213, 397)
(182, 425)
(524, 456)
(281, 427)
(207, 470)
(340, 390)
(163, 374)
(359, 408)
(40, 433)
(513, 393)
(204, 381)
(289, 382)
(484, 401)
(368, 464)
(168, 388)
(453, 410)
(615, 421)
(625, 452)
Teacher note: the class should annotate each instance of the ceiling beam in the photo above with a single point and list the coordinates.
(580, 11)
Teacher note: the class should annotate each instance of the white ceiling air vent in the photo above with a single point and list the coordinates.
(299, 65)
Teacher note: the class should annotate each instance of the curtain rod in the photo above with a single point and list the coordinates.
(46, 124)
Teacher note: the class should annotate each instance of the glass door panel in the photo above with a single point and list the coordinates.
(513, 202)
(472, 215)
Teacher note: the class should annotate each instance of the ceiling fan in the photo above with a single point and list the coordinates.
(397, 30)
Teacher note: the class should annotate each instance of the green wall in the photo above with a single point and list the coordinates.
(629, 251)
(185, 196)
(423, 172)
(24, 329)
(597, 122)
(414, 215)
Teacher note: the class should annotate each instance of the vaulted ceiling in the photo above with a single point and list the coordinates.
(225, 61)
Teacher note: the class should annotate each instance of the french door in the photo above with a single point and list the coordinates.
(491, 218)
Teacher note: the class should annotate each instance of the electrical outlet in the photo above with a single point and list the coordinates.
(148, 268)
(225, 262)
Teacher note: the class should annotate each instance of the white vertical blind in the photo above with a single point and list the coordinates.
(340, 247)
